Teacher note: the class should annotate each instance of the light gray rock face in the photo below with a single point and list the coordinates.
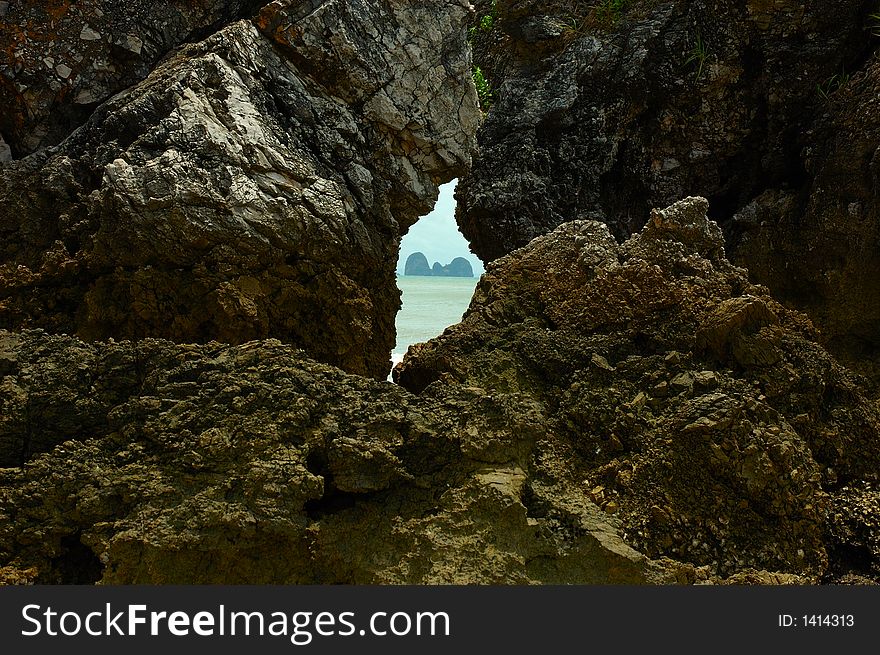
(59, 59)
(217, 199)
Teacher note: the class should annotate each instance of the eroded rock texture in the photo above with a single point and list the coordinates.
(680, 397)
(765, 108)
(636, 413)
(60, 59)
(166, 463)
(820, 249)
(255, 184)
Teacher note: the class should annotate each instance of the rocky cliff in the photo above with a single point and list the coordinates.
(417, 264)
(674, 394)
(458, 267)
(610, 109)
(62, 58)
(216, 198)
(200, 213)
(640, 414)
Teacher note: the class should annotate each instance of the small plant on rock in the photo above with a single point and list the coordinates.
(484, 90)
(832, 85)
(610, 10)
(485, 24)
(874, 24)
(698, 56)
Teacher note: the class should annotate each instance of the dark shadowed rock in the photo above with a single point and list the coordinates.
(63, 58)
(819, 249)
(254, 464)
(767, 109)
(598, 417)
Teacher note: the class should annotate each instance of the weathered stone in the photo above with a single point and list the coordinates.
(254, 185)
(417, 264)
(88, 34)
(769, 109)
(743, 481)
(5, 151)
(282, 470)
(817, 249)
(71, 33)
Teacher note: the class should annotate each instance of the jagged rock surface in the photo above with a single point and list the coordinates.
(677, 395)
(764, 108)
(62, 58)
(167, 463)
(637, 413)
(218, 198)
(819, 249)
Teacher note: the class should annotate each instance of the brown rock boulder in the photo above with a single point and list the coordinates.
(679, 397)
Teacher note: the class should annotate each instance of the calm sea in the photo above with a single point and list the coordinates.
(430, 304)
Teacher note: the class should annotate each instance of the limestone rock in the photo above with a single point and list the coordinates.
(714, 427)
(254, 185)
(770, 110)
(458, 267)
(253, 464)
(104, 46)
(417, 264)
(818, 249)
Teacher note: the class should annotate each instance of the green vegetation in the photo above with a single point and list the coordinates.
(610, 10)
(832, 85)
(604, 13)
(484, 90)
(573, 25)
(698, 56)
(485, 23)
(874, 24)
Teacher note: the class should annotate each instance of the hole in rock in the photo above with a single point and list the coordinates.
(77, 564)
(333, 499)
(436, 273)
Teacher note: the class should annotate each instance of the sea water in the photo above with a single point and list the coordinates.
(430, 305)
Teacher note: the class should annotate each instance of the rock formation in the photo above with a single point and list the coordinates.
(217, 198)
(638, 413)
(200, 213)
(458, 267)
(63, 58)
(676, 395)
(764, 108)
(211, 463)
(417, 264)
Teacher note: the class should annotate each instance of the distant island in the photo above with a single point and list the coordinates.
(417, 264)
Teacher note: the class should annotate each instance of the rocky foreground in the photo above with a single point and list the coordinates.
(201, 206)
(639, 413)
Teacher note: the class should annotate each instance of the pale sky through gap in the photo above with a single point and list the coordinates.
(437, 236)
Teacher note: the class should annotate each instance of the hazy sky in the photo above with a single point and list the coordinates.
(437, 235)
